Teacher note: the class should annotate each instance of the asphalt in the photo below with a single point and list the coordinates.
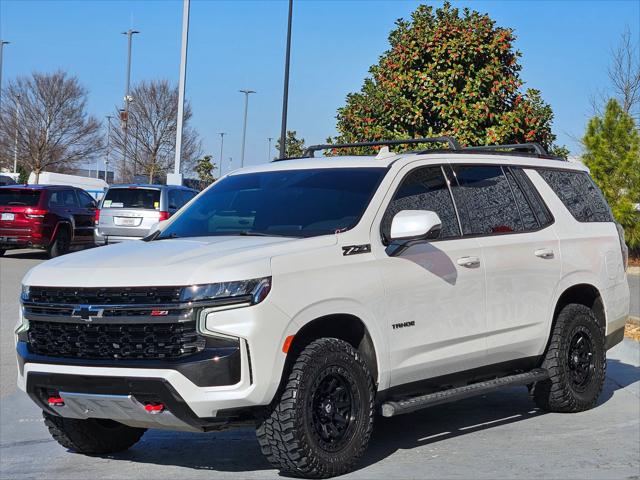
(499, 435)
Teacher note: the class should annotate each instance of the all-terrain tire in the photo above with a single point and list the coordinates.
(295, 434)
(91, 436)
(61, 243)
(576, 362)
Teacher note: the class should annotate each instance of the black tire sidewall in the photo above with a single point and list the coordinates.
(359, 382)
(581, 321)
(61, 243)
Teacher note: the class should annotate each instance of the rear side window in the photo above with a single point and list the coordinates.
(174, 199)
(19, 197)
(540, 210)
(424, 189)
(146, 198)
(485, 201)
(579, 194)
(63, 198)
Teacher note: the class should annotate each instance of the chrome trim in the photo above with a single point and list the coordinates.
(120, 319)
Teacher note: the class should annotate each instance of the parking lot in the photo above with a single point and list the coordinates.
(497, 435)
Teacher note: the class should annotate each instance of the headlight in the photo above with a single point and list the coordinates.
(24, 295)
(243, 291)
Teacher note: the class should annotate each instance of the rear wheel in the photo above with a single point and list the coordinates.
(91, 436)
(60, 244)
(321, 423)
(576, 362)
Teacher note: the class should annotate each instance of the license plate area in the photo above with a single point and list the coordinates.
(8, 217)
(127, 221)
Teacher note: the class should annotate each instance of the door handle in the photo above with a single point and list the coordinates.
(544, 253)
(469, 262)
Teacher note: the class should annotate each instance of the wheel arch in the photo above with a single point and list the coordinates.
(62, 224)
(583, 294)
(345, 326)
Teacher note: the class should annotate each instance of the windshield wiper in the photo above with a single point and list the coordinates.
(249, 233)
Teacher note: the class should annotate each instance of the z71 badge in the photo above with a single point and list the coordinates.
(356, 249)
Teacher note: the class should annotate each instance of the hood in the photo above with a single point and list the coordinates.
(180, 261)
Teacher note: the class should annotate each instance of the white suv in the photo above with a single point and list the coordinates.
(305, 296)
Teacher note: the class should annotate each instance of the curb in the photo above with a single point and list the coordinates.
(633, 270)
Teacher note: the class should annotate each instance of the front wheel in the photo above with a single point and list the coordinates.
(91, 436)
(576, 362)
(321, 423)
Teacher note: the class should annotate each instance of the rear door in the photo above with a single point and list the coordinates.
(521, 254)
(129, 211)
(65, 204)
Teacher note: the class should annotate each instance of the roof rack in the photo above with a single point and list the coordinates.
(452, 142)
(519, 147)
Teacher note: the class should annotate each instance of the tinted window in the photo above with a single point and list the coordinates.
(297, 203)
(19, 197)
(147, 198)
(86, 201)
(187, 195)
(485, 201)
(579, 194)
(424, 189)
(540, 210)
(174, 199)
(527, 216)
(63, 198)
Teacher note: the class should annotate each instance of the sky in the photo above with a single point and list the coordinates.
(240, 44)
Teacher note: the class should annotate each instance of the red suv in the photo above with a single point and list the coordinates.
(51, 217)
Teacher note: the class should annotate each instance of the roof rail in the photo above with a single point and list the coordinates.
(521, 147)
(452, 142)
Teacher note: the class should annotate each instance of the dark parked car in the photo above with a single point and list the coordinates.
(50, 217)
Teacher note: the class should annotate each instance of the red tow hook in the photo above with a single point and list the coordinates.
(55, 402)
(154, 408)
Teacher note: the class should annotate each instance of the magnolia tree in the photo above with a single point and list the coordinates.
(447, 73)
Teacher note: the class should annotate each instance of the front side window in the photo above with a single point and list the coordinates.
(292, 203)
(423, 189)
(86, 201)
(485, 201)
(579, 194)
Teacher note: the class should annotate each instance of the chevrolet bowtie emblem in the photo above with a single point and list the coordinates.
(87, 312)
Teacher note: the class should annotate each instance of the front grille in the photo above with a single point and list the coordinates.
(107, 341)
(105, 295)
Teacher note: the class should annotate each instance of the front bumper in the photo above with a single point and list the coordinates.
(261, 330)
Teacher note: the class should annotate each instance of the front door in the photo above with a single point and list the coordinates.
(435, 305)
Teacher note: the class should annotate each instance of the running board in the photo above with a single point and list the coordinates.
(392, 408)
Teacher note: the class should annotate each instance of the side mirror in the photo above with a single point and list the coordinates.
(415, 225)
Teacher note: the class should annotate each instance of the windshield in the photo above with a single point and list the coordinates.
(292, 203)
(132, 197)
(28, 198)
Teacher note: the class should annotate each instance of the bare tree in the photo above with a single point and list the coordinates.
(624, 74)
(151, 142)
(45, 118)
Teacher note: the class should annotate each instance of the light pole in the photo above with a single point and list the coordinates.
(244, 128)
(106, 162)
(177, 178)
(285, 95)
(127, 98)
(15, 139)
(222, 134)
(269, 150)
(2, 44)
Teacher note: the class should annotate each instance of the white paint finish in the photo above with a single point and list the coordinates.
(414, 223)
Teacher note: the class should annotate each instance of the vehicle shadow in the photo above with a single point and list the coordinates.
(25, 254)
(238, 451)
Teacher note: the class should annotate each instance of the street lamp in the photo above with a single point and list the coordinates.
(127, 97)
(176, 178)
(244, 128)
(2, 44)
(222, 134)
(285, 95)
